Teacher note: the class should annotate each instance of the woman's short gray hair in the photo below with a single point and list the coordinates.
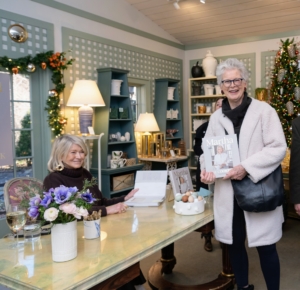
(60, 150)
(231, 63)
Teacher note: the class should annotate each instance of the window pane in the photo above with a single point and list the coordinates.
(21, 87)
(24, 167)
(22, 117)
(23, 143)
(6, 173)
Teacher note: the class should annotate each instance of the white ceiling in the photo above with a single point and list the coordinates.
(222, 20)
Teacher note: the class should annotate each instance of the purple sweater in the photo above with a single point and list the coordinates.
(75, 177)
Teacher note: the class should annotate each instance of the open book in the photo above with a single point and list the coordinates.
(152, 188)
(221, 153)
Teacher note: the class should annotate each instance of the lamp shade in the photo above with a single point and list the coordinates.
(146, 123)
(85, 92)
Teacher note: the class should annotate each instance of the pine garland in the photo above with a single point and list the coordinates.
(285, 91)
(57, 63)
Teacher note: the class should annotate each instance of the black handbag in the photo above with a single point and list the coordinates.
(265, 195)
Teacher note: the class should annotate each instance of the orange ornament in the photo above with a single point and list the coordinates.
(62, 121)
(43, 65)
(15, 70)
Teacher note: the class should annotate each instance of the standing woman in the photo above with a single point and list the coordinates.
(262, 147)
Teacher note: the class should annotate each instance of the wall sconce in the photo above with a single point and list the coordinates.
(146, 123)
(85, 94)
(202, 1)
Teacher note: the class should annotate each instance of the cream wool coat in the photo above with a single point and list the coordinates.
(262, 147)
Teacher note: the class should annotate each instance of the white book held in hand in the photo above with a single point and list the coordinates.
(221, 153)
(152, 188)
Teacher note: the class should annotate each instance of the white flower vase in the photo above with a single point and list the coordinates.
(209, 65)
(64, 241)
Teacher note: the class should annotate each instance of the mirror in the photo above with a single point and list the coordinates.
(17, 33)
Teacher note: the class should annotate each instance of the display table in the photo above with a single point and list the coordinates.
(169, 163)
(125, 240)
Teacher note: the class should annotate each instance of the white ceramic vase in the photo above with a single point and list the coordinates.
(64, 241)
(116, 87)
(171, 93)
(209, 65)
(127, 136)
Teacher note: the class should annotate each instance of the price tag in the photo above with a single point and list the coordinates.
(121, 110)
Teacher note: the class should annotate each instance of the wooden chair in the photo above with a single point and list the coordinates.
(20, 188)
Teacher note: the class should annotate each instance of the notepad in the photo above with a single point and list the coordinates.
(152, 188)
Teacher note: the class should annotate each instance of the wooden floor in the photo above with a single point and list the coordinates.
(193, 268)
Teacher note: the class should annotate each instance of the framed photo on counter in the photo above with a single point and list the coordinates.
(181, 180)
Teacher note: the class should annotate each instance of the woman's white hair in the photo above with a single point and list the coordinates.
(229, 64)
(60, 150)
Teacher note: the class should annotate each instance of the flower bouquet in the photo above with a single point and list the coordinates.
(62, 204)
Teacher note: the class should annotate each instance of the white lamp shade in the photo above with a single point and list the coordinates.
(146, 123)
(85, 92)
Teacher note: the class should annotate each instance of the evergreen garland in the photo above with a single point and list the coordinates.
(57, 63)
(285, 86)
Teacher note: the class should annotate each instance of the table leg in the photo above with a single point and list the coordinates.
(171, 165)
(119, 279)
(165, 265)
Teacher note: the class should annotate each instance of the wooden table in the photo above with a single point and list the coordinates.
(126, 239)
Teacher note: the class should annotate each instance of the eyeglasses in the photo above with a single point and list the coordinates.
(236, 82)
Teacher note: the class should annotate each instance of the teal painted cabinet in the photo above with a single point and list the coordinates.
(109, 120)
(164, 104)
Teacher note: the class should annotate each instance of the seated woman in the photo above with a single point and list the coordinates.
(66, 168)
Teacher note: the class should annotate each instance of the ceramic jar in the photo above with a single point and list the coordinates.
(171, 93)
(209, 65)
(197, 71)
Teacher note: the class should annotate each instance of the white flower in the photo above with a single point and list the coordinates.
(51, 214)
(80, 211)
(68, 207)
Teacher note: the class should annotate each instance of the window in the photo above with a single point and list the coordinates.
(16, 147)
(139, 91)
(31, 156)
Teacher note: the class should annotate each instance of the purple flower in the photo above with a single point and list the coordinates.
(33, 212)
(46, 200)
(50, 191)
(63, 193)
(87, 196)
(35, 201)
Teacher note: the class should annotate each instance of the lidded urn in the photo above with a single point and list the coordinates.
(209, 65)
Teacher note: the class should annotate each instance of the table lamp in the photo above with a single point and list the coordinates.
(85, 94)
(146, 123)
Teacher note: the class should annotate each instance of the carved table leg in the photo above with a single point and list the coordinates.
(167, 259)
(167, 262)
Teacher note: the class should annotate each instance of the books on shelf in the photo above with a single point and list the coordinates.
(221, 153)
(152, 188)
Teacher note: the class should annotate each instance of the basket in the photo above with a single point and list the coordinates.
(131, 161)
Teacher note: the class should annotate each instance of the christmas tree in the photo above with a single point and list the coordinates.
(285, 86)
